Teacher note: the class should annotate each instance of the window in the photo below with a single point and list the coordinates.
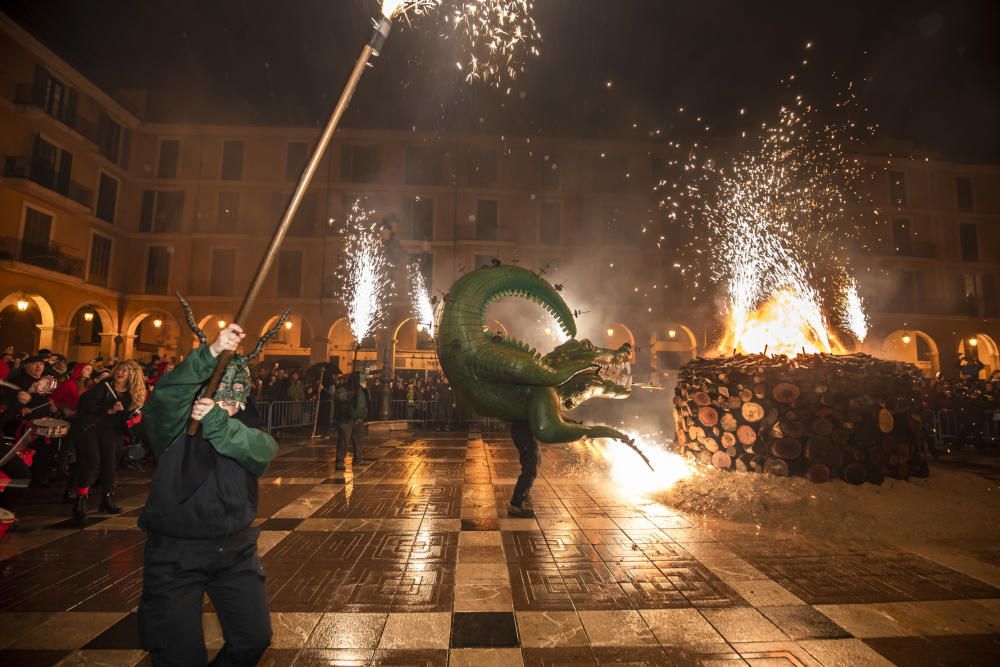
(487, 221)
(908, 285)
(170, 150)
(485, 260)
(897, 189)
(35, 240)
(99, 265)
(107, 198)
(223, 271)
(359, 164)
(480, 168)
(289, 273)
(550, 223)
(157, 270)
(902, 238)
(969, 240)
(966, 295)
(424, 165)
(51, 166)
(418, 219)
(963, 193)
(54, 97)
(991, 304)
(550, 173)
(109, 138)
(232, 160)
(161, 211)
(227, 220)
(296, 157)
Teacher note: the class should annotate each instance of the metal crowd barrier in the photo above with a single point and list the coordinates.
(954, 428)
(277, 415)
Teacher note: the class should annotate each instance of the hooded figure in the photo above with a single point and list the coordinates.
(202, 502)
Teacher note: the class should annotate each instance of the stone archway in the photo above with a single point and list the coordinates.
(30, 319)
(616, 335)
(341, 347)
(982, 347)
(412, 349)
(151, 331)
(292, 341)
(915, 347)
(92, 329)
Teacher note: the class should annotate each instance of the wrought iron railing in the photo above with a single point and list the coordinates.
(43, 255)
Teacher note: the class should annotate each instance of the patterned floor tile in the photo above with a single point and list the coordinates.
(616, 628)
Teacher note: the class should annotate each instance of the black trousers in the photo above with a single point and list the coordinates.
(177, 574)
(531, 457)
(96, 451)
(323, 418)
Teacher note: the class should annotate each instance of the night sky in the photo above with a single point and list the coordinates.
(927, 71)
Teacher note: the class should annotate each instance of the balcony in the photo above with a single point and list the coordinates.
(47, 256)
(24, 95)
(44, 175)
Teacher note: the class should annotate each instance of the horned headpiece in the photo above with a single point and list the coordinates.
(236, 382)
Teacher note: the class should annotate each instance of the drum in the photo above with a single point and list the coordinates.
(47, 427)
(45, 385)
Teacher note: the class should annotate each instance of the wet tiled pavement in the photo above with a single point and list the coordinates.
(411, 560)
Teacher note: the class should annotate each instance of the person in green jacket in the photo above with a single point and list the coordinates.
(350, 412)
(199, 514)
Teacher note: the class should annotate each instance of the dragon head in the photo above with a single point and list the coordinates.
(610, 375)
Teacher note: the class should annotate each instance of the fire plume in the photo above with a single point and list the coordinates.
(788, 323)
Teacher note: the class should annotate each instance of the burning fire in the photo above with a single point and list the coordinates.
(789, 323)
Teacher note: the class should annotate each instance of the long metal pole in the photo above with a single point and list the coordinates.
(379, 34)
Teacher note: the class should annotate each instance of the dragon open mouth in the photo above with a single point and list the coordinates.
(618, 373)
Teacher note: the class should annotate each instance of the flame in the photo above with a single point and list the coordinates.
(791, 322)
(631, 474)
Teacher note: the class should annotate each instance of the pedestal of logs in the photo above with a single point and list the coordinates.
(820, 416)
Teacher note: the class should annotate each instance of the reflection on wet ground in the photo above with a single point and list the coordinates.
(411, 560)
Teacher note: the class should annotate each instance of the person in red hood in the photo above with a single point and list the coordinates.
(162, 369)
(67, 394)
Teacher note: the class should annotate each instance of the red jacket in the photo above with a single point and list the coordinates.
(67, 394)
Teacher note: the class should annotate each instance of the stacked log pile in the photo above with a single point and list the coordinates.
(820, 416)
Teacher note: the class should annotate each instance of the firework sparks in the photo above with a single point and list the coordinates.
(853, 311)
(423, 309)
(364, 275)
(500, 34)
(632, 474)
(777, 215)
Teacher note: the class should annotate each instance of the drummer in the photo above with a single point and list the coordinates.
(37, 384)
(16, 473)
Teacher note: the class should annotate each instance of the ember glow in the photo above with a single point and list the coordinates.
(420, 300)
(853, 311)
(789, 323)
(364, 275)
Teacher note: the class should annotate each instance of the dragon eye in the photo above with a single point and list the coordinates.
(587, 345)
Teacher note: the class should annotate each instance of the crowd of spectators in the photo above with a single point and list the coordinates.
(964, 410)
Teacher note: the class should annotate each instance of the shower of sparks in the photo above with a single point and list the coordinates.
(420, 300)
(771, 221)
(499, 35)
(853, 312)
(364, 276)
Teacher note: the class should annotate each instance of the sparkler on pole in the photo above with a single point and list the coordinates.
(853, 311)
(380, 32)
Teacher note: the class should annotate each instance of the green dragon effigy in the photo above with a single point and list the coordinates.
(502, 377)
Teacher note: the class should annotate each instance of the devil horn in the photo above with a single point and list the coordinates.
(269, 334)
(189, 315)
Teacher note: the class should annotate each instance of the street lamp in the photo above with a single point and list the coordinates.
(974, 341)
(22, 304)
(157, 323)
(906, 339)
(222, 324)
(611, 332)
(672, 333)
(88, 316)
(288, 326)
